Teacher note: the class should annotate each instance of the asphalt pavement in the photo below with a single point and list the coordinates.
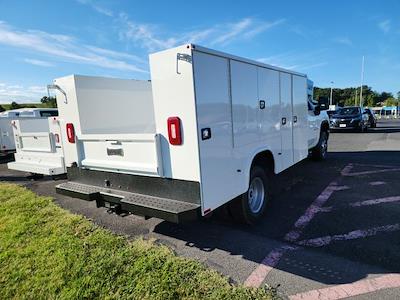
(331, 231)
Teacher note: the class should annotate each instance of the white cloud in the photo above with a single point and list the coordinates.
(21, 94)
(233, 30)
(385, 25)
(343, 40)
(38, 62)
(66, 48)
(96, 7)
(149, 36)
(143, 35)
(294, 61)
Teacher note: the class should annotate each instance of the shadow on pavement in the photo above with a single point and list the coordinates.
(344, 261)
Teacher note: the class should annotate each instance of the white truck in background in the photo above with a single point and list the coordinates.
(7, 141)
(210, 129)
(39, 146)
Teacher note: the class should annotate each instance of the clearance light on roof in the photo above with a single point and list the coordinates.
(174, 131)
(70, 133)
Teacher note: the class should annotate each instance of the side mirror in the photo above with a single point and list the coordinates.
(317, 110)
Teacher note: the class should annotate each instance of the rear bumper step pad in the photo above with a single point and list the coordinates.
(149, 206)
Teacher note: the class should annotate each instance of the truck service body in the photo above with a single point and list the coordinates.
(39, 146)
(7, 141)
(206, 130)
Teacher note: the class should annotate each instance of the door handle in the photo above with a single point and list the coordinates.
(283, 121)
(294, 119)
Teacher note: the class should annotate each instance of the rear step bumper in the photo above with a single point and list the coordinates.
(36, 168)
(149, 206)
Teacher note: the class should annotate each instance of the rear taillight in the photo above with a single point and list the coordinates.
(174, 131)
(71, 133)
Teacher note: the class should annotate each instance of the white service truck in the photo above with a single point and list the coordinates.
(39, 146)
(7, 141)
(210, 129)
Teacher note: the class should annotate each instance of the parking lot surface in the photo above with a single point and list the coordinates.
(332, 230)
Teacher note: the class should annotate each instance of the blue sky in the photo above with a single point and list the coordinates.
(43, 40)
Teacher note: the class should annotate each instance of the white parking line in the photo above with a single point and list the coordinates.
(257, 277)
(362, 203)
(352, 235)
(374, 183)
(346, 171)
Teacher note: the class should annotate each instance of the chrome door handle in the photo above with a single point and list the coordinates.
(294, 119)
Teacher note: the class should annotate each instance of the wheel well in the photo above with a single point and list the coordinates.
(325, 127)
(264, 159)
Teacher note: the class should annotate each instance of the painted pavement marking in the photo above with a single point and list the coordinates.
(257, 277)
(352, 235)
(347, 170)
(374, 183)
(356, 288)
(361, 203)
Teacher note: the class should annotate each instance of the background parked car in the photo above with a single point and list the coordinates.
(351, 117)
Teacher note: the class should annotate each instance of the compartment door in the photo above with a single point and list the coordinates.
(300, 119)
(269, 109)
(286, 121)
(214, 125)
(245, 107)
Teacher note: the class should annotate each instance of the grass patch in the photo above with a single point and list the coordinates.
(47, 252)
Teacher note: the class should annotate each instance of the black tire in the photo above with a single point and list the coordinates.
(320, 151)
(240, 208)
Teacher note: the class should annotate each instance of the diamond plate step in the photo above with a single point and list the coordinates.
(149, 206)
(77, 190)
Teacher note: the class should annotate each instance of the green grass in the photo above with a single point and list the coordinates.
(49, 253)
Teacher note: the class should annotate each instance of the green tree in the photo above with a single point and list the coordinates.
(14, 105)
(49, 101)
(391, 102)
(2, 108)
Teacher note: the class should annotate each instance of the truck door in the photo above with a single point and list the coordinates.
(286, 114)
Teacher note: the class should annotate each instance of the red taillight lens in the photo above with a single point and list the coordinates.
(71, 133)
(174, 131)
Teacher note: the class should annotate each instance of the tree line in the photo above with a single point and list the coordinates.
(45, 101)
(342, 97)
(351, 96)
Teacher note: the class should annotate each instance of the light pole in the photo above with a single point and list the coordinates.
(362, 81)
(331, 100)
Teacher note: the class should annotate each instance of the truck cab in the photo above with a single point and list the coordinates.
(318, 125)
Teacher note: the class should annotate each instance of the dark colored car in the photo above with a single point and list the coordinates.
(331, 113)
(371, 118)
(352, 117)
